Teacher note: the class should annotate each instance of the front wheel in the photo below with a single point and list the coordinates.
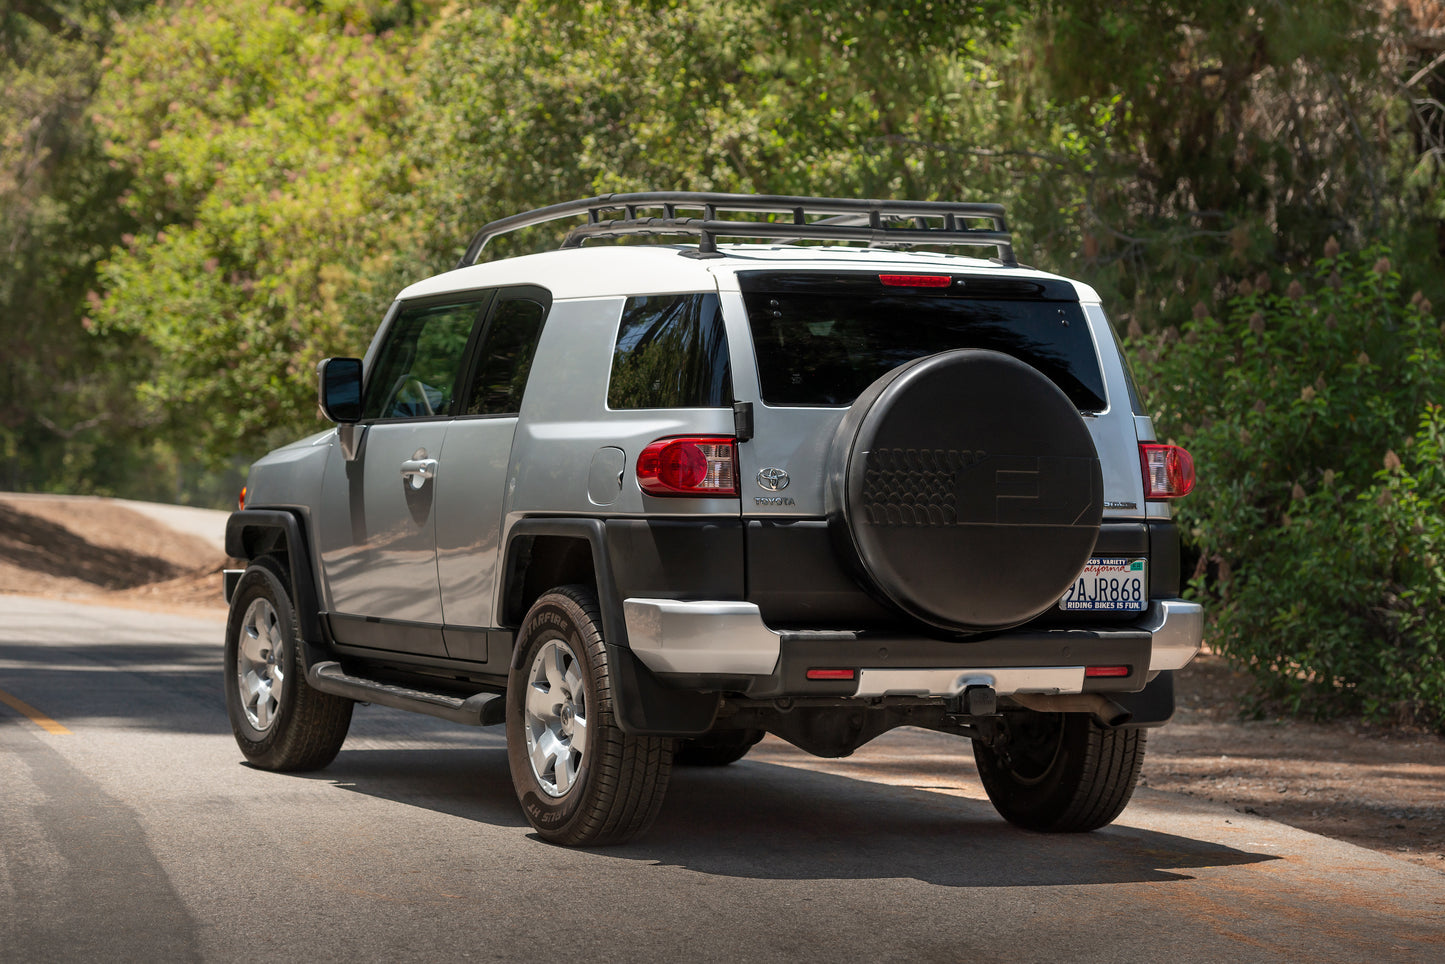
(580, 779)
(279, 721)
(1060, 772)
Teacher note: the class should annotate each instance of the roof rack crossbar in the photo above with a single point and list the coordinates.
(709, 231)
(844, 219)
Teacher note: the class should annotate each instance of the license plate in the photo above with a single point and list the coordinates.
(1109, 585)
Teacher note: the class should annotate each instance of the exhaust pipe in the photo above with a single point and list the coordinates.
(1103, 709)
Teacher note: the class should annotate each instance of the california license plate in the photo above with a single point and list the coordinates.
(1109, 585)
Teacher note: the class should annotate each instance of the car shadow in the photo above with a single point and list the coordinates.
(163, 687)
(761, 820)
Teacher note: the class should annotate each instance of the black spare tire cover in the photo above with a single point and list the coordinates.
(964, 488)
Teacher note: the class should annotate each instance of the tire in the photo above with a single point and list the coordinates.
(279, 721)
(581, 781)
(964, 490)
(716, 749)
(1061, 772)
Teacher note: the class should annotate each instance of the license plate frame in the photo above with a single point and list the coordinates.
(1109, 584)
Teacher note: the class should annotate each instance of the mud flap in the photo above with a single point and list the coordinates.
(1151, 706)
(645, 707)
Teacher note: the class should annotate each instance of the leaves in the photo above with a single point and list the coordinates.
(260, 140)
(1294, 409)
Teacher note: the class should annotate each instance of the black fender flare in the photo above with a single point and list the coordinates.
(643, 705)
(250, 533)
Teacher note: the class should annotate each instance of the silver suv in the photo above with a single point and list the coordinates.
(643, 503)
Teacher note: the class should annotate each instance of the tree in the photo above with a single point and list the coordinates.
(549, 100)
(259, 138)
(1211, 137)
(66, 414)
(1319, 525)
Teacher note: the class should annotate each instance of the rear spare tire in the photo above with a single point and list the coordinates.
(965, 490)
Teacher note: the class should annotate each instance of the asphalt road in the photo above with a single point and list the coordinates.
(130, 830)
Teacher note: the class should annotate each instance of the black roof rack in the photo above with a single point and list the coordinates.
(840, 219)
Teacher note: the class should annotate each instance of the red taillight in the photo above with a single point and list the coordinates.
(241, 499)
(916, 280)
(689, 466)
(1168, 471)
(831, 673)
(1096, 672)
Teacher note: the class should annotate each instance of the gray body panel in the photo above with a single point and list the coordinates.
(471, 485)
(378, 530)
(565, 424)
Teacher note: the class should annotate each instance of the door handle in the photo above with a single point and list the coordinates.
(418, 471)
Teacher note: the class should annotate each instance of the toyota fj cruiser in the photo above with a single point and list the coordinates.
(643, 503)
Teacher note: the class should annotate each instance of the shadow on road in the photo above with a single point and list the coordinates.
(168, 687)
(764, 821)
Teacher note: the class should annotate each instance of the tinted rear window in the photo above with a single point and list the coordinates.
(821, 339)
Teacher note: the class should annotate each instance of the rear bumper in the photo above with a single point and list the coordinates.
(725, 646)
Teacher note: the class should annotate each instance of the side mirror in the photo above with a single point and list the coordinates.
(339, 386)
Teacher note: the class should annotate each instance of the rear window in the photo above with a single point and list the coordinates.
(822, 338)
(671, 352)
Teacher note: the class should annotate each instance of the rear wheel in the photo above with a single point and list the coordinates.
(716, 749)
(1060, 772)
(580, 779)
(280, 723)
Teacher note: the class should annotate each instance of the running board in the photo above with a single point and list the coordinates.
(483, 709)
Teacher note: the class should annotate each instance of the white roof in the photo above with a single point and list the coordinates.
(622, 270)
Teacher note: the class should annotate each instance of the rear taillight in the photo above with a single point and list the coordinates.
(1168, 471)
(698, 466)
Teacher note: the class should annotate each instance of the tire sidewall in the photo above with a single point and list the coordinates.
(1034, 803)
(261, 581)
(553, 617)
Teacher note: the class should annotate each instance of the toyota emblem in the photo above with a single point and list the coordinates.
(774, 480)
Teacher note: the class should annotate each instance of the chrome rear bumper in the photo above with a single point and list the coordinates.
(729, 639)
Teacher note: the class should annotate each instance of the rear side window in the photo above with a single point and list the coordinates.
(506, 357)
(821, 339)
(671, 352)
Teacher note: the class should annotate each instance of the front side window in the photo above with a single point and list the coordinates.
(417, 370)
(671, 352)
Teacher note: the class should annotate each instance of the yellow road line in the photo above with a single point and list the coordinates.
(39, 718)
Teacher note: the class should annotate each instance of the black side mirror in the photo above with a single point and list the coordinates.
(339, 386)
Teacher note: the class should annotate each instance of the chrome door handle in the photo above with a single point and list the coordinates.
(419, 471)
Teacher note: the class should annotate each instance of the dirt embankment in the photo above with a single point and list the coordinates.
(1376, 787)
(87, 547)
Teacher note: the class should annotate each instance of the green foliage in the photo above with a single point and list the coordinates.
(1318, 544)
(1208, 136)
(67, 419)
(549, 100)
(258, 136)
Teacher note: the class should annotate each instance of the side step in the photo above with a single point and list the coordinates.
(483, 709)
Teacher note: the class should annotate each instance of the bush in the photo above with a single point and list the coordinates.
(1318, 525)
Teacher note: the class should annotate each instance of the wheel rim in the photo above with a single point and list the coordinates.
(261, 664)
(556, 717)
(1035, 746)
